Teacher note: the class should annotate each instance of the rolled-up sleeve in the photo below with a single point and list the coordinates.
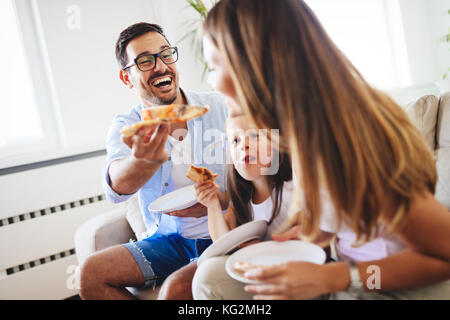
(116, 150)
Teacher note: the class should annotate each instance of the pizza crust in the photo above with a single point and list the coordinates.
(165, 114)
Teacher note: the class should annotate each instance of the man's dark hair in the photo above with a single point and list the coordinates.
(131, 33)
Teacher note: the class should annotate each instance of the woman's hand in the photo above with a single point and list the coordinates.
(297, 280)
(207, 194)
(291, 234)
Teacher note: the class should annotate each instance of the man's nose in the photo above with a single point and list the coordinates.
(160, 66)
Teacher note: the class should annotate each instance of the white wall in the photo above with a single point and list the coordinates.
(425, 22)
(440, 24)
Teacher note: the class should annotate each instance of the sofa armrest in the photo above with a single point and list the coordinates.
(102, 231)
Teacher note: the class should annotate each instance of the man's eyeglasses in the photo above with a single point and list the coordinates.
(147, 62)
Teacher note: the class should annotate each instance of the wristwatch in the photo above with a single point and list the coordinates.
(356, 286)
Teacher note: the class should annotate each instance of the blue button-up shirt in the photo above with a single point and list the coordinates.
(207, 134)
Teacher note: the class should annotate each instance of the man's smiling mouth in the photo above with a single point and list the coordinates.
(162, 82)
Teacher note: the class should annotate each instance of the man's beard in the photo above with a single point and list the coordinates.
(153, 98)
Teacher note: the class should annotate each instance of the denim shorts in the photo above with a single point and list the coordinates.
(160, 255)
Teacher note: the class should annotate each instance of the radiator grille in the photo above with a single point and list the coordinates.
(51, 210)
(41, 213)
(38, 262)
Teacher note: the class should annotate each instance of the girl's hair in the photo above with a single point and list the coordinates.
(342, 134)
(241, 191)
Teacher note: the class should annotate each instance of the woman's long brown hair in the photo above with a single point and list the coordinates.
(342, 134)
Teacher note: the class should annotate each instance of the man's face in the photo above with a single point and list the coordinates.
(148, 83)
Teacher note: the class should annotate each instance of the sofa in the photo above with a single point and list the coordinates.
(430, 114)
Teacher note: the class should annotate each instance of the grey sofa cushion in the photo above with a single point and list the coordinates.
(135, 219)
(423, 114)
(443, 168)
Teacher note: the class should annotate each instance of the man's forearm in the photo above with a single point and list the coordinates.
(128, 175)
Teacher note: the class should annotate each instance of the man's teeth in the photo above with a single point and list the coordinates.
(166, 79)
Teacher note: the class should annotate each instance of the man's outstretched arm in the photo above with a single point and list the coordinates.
(148, 153)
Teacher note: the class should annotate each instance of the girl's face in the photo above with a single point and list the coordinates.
(219, 75)
(250, 152)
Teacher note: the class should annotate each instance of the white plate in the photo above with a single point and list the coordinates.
(248, 231)
(273, 252)
(176, 200)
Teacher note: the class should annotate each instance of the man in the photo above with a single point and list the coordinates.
(145, 164)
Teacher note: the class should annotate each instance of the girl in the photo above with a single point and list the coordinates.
(360, 166)
(255, 194)
(250, 187)
(259, 187)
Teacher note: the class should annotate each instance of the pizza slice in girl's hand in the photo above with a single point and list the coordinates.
(201, 174)
(165, 114)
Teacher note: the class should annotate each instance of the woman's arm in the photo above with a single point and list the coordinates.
(404, 270)
(425, 262)
(304, 280)
(427, 228)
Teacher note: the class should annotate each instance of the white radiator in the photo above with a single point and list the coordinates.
(40, 210)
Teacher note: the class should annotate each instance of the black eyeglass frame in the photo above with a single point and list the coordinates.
(156, 56)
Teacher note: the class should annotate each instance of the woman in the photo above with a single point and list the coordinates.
(353, 150)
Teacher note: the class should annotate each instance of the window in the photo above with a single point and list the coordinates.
(68, 77)
(370, 34)
(20, 119)
(24, 128)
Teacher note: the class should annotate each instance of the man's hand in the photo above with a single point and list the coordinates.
(196, 211)
(148, 152)
(148, 144)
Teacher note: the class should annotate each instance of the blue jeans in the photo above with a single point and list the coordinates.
(160, 255)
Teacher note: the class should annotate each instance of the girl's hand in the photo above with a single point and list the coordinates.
(207, 194)
(294, 280)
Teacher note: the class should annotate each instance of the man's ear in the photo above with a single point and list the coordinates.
(125, 77)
